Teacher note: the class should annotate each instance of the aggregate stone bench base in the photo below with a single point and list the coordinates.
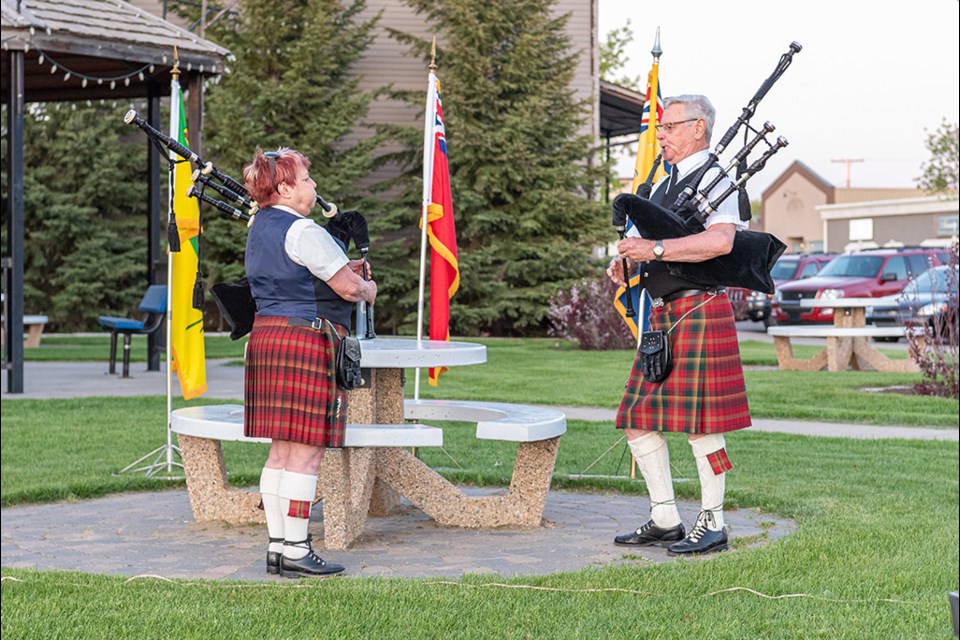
(368, 476)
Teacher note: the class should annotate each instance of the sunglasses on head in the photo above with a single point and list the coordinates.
(272, 159)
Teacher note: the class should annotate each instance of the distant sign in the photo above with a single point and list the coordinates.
(948, 225)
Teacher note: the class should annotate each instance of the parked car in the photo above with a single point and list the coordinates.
(930, 299)
(866, 274)
(758, 306)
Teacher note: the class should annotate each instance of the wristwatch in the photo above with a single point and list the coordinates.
(658, 250)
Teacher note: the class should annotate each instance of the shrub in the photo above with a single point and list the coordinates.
(935, 345)
(585, 313)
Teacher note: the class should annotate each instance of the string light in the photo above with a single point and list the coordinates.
(139, 74)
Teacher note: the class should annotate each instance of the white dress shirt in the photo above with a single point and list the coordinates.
(311, 246)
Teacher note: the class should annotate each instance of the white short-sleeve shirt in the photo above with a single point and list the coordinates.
(311, 246)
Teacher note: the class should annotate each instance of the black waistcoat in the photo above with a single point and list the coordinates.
(657, 278)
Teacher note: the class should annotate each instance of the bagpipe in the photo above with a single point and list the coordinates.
(234, 299)
(754, 253)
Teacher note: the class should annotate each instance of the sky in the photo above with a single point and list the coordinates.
(870, 79)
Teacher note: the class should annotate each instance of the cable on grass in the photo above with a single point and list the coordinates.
(805, 595)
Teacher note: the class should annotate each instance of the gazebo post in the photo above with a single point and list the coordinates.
(13, 272)
(156, 263)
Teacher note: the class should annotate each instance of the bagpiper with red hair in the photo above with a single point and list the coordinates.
(304, 287)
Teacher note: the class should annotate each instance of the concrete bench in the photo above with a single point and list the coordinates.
(536, 429)
(847, 347)
(345, 482)
(372, 471)
(34, 327)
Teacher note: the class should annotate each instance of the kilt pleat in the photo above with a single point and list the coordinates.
(705, 391)
(290, 389)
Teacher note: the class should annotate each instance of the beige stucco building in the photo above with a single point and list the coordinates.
(811, 215)
(927, 221)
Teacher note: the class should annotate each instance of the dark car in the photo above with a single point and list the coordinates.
(930, 299)
(758, 306)
(866, 274)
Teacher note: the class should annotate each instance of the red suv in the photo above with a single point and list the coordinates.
(757, 305)
(867, 274)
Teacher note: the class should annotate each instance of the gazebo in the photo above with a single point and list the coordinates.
(73, 50)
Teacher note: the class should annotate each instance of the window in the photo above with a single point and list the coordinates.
(854, 266)
(918, 264)
(810, 269)
(784, 269)
(897, 265)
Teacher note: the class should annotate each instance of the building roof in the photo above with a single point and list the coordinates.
(811, 175)
(95, 49)
(620, 110)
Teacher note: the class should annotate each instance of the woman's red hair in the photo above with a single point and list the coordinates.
(261, 179)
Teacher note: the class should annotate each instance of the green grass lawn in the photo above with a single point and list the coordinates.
(875, 554)
(874, 557)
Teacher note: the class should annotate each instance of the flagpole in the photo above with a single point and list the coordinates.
(165, 453)
(428, 123)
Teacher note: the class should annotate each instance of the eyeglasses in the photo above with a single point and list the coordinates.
(668, 127)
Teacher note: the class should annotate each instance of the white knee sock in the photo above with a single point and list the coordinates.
(274, 507)
(300, 489)
(712, 484)
(650, 452)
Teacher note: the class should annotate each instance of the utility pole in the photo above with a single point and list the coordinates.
(848, 162)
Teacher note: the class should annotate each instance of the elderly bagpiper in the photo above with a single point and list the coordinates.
(699, 389)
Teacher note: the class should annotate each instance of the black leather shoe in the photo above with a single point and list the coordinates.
(650, 534)
(273, 562)
(701, 539)
(309, 566)
(273, 559)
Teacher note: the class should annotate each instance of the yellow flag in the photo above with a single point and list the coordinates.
(186, 323)
(648, 148)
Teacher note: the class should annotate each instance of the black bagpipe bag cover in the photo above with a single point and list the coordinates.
(747, 265)
(236, 305)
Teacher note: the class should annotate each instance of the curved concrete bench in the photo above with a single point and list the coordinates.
(374, 452)
(345, 481)
(225, 422)
(536, 429)
(495, 420)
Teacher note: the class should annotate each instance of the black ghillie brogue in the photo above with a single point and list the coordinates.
(650, 534)
(702, 539)
(273, 559)
(309, 566)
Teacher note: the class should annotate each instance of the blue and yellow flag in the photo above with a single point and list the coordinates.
(648, 148)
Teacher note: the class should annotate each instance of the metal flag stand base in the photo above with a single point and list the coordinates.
(583, 474)
(163, 465)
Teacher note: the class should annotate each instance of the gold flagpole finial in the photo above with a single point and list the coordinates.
(433, 56)
(175, 72)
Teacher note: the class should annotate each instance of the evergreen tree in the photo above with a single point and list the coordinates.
(522, 171)
(290, 85)
(85, 203)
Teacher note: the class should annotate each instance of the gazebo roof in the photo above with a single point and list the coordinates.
(109, 48)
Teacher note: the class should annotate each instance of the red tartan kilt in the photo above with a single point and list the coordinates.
(290, 389)
(704, 392)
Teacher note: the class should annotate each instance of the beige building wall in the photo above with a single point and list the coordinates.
(785, 209)
(388, 61)
(927, 221)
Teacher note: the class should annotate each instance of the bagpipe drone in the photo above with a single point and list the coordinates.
(754, 253)
(234, 298)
